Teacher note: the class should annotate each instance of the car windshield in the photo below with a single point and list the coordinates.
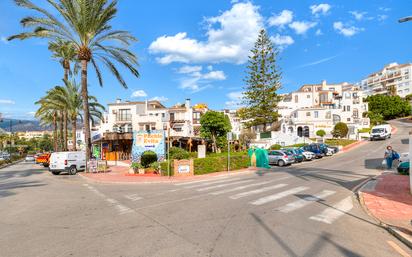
(377, 130)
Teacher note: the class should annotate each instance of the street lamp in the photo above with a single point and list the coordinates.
(402, 20)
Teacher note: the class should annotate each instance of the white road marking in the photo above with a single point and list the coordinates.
(213, 182)
(331, 214)
(304, 201)
(239, 188)
(133, 197)
(257, 191)
(123, 209)
(200, 181)
(224, 185)
(271, 198)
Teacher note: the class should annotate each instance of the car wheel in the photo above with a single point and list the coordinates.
(72, 170)
(281, 163)
(55, 172)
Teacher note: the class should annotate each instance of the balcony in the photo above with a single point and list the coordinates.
(123, 117)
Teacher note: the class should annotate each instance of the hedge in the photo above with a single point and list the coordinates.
(219, 163)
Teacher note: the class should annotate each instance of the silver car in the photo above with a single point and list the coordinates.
(280, 158)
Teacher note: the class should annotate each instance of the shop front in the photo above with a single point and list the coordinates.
(113, 146)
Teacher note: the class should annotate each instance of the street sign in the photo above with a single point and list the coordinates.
(229, 136)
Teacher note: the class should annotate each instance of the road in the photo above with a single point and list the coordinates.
(303, 210)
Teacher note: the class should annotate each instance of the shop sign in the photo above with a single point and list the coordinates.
(148, 140)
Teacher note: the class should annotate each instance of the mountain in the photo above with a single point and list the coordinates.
(21, 125)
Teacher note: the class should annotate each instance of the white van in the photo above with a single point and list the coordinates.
(381, 132)
(70, 162)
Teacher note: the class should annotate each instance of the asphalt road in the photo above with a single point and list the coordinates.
(303, 210)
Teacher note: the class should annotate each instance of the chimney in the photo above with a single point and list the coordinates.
(187, 103)
(145, 106)
(118, 100)
(323, 83)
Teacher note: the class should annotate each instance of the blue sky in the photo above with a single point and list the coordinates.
(198, 49)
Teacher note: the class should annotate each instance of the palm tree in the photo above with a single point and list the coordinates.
(65, 53)
(47, 114)
(86, 24)
(70, 95)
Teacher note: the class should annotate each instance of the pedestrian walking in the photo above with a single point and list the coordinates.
(390, 156)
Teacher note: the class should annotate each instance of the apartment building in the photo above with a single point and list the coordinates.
(320, 106)
(393, 79)
(27, 135)
(234, 121)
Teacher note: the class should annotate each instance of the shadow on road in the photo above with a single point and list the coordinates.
(320, 243)
(6, 187)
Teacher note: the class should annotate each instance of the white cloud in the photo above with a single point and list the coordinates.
(236, 32)
(382, 17)
(384, 9)
(6, 101)
(319, 61)
(159, 98)
(235, 99)
(196, 81)
(138, 94)
(31, 113)
(282, 19)
(282, 40)
(318, 32)
(347, 31)
(320, 9)
(358, 15)
(300, 27)
(189, 69)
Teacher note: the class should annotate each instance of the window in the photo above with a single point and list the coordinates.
(307, 96)
(307, 114)
(328, 115)
(348, 119)
(348, 108)
(124, 115)
(295, 114)
(355, 113)
(296, 98)
(344, 108)
(347, 95)
(316, 114)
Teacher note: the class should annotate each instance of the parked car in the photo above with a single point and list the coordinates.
(306, 154)
(326, 150)
(280, 158)
(70, 162)
(29, 158)
(314, 148)
(297, 155)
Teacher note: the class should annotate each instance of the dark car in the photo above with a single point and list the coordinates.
(314, 148)
(296, 154)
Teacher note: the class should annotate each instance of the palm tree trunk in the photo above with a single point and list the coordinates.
(66, 74)
(61, 125)
(65, 131)
(86, 113)
(55, 131)
(74, 128)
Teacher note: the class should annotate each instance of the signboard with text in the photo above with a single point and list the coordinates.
(148, 140)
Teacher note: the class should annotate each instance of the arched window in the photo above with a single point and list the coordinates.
(300, 132)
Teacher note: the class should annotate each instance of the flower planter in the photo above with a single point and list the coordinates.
(141, 171)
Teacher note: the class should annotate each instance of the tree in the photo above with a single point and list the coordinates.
(262, 82)
(85, 24)
(340, 130)
(214, 125)
(390, 107)
(320, 133)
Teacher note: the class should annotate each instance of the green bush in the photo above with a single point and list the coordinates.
(148, 158)
(340, 130)
(178, 153)
(364, 130)
(163, 168)
(320, 133)
(342, 142)
(275, 147)
(219, 163)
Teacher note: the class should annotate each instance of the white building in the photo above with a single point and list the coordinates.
(235, 122)
(320, 106)
(393, 79)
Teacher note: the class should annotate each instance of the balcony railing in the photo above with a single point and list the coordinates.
(123, 117)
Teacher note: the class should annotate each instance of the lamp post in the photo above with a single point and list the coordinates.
(402, 20)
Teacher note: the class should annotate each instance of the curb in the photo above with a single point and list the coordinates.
(171, 180)
(404, 238)
(10, 164)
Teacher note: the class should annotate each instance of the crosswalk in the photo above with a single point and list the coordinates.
(269, 192)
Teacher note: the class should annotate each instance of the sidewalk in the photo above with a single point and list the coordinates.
(119, 174)
(388, 199)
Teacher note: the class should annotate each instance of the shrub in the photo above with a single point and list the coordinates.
(364, 130)
(340, 130)
(136, 165)
(148, 158)
(275, 147)
(163, 168)
(155, 166)
(219, 163)
(320, 133)
(178, 153)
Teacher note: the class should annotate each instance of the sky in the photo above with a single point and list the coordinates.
(199, 49)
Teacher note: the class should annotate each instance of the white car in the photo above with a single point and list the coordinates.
(29, 158)
(308, 155)
(70, 162)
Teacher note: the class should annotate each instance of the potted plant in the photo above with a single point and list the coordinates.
(155, 166)
(137, 168)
